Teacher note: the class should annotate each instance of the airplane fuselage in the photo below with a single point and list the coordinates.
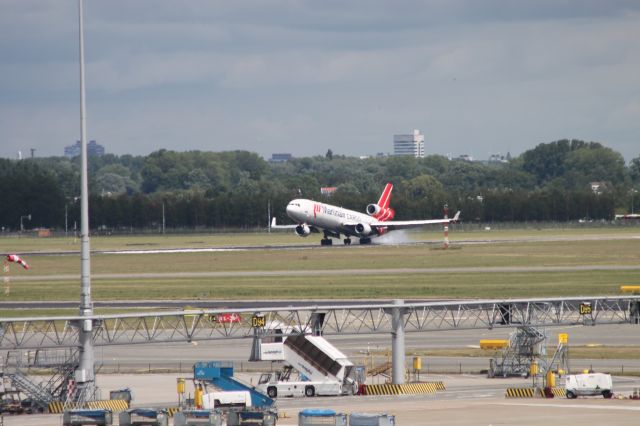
(333, 221)
(327, 217)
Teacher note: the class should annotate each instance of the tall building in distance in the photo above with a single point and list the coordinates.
(409, 145)
(93, 149)
(280, 157)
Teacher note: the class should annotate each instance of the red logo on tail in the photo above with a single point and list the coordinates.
(385, 198)
(385, 213)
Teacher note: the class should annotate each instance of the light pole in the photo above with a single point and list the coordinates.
(163, 218)
(27, 216)
(66, 214)
(633, 192)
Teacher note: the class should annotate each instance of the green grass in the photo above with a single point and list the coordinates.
(28, 243)
(536, 253)
(477, 285)
(614, 247)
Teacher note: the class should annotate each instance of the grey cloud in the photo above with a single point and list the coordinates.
(475, 76)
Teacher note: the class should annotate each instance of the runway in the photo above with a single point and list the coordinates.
(385, 240)
(332, 272)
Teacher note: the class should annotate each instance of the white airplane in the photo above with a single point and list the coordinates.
(312, 216)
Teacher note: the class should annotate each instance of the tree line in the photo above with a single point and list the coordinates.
(564, 180)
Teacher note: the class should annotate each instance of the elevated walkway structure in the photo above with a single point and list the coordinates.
(394, 319)
(196, 324)
(220, 375)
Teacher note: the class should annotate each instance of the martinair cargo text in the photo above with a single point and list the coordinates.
(312, 216)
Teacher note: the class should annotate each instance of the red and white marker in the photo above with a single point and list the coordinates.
(17, 259)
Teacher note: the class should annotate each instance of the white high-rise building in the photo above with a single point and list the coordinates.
(412, 144)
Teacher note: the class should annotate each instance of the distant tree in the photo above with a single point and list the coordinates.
(423, 196)
(634, 170)
(29, 189)
(329, 155)
(594, 163)
(546, 161)
(114, 179)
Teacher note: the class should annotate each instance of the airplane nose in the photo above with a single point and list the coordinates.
(290, 210)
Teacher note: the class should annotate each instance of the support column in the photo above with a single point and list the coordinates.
(84, 374)
(397, 342)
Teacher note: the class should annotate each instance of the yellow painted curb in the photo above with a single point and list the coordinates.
(405, 389)
(115, 405)
(522, 393)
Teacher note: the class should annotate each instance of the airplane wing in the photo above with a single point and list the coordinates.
(404, 224)
(275, 226)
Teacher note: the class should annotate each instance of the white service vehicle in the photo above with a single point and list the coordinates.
(226, 399)
(323, 369)
(278, 384)
(589, 385)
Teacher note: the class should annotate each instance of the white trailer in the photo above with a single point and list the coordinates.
(589, 385)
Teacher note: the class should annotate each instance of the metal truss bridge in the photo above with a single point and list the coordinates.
(393, 318)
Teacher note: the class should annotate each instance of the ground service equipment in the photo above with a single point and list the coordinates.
(589, 385)
(197, 418)
(369, 419)
(220, 375)
(319, 416)
(226, 399)
(87, 417)
(324, 370)
(251, 418)
(144, 417)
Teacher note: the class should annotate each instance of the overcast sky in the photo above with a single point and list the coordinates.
(476, 77)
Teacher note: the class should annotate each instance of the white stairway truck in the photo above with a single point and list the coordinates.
(326, 370)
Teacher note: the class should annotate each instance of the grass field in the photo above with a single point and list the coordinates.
(509, 248)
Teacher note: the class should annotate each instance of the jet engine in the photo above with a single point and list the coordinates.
(373, 209)
(379, 212)
(303, 230)
(363, 229)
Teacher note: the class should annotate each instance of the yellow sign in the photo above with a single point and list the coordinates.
(585, 308)
(563, 338)
(258, 321)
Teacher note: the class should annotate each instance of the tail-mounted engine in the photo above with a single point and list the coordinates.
(303, 230)
(380, 213)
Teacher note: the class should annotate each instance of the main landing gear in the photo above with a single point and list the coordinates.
(327, 241)
(365, 240)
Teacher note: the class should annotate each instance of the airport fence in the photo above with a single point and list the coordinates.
(437, 365)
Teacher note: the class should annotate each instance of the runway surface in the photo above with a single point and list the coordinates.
(385, 240)
(333, 272)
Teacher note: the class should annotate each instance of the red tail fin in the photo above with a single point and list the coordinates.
(385, 198)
